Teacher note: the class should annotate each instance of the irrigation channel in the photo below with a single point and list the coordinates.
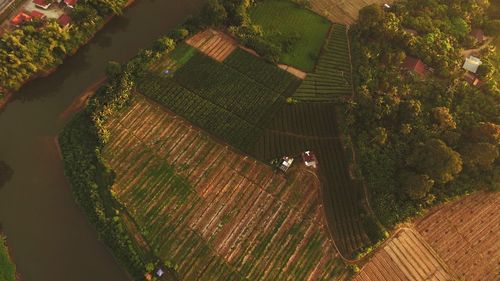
(49, 236)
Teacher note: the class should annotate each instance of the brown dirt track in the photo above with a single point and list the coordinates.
(235, 219)
(213, 43)
(455, 241)
(342, 11)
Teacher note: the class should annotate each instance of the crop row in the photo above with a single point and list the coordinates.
(405, 257)
(202, 112)
(227, 87)
(216, 214)
(331, 78)
(261, 71)
(341, 196)
(294, 130)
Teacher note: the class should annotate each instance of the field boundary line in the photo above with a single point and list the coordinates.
(303, 136)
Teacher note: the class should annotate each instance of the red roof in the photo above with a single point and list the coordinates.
(20, 18)
(70, 3)
(41, 3)
(415, 65)
(64, 20)
(37, 14)
(472, 79)
(478, 34)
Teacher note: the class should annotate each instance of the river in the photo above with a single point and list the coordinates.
(49, 236)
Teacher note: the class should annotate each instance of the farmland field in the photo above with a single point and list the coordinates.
(229, 100)
(466, 234)
(216, 214)
(301, 127)
(342, 11)
(405, 256)
(331, 77)
(214, 44)
(281, 19)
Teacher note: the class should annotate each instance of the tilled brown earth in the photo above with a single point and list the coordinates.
(455, 241)
(217, 214)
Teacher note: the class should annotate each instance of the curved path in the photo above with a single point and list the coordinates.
(48, 234)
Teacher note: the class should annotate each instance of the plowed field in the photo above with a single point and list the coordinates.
(342, 11)
(405, 257)
(216, 214)
(466, 234)
(214, 44)
(455, 241)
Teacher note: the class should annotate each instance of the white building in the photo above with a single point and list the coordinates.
(471, 64)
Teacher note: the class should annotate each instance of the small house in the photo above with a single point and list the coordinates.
(160, 272)
(37, 15)
(286, 163)
(414, 65)
(20, 18)
(70, 3)
(64, 20)
(472, 79)
(478, 34)
(309, 159)
(472, 64)
(42, 4)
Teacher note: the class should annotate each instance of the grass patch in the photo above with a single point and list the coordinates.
(300, 32)
(7, 268)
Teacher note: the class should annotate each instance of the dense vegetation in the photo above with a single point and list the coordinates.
(40, 45)
(331, 78)
(7, 268)
(423, 139)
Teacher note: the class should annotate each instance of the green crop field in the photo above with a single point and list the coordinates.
(262, 71)
(7, 268)
(230, 100)
(331, 78)
(213, 213)
(312, 126)
(281, 19)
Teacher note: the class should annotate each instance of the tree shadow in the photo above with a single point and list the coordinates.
(6, 173)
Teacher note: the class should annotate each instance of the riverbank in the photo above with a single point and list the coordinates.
(7, 96)
(7, 266)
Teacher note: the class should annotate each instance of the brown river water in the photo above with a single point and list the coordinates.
(49, 236)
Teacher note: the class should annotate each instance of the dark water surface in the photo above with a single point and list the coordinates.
(49, 236)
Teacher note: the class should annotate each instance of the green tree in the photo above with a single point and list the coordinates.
(492, 28)
(416, 186)
(443, 118)
(214, 13)
(436, 159)
(480, 155)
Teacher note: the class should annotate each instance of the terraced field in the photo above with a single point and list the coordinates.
(231, 100)
(405, 257)
(342, 11)
(466, 234)
(301, 127)
(331, 78)
(216, 214)
(213, 43)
